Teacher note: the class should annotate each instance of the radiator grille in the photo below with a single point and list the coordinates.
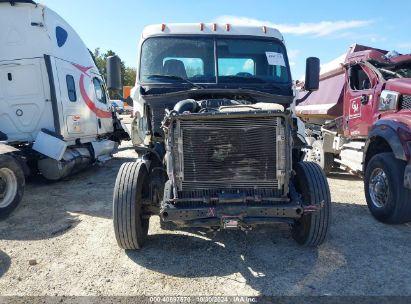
(229, 153)
(215, 192)
(406, 102)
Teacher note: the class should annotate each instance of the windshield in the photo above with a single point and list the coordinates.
(197, 60)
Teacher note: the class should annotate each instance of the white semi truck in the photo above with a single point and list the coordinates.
(218, 142)
(55, 114)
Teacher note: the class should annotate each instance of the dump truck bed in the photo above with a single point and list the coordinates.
(327, 102)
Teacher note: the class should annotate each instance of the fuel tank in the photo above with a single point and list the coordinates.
(73, 161)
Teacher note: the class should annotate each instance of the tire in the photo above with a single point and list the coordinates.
(12, 182)
(131, 188)
(310, 181)
(317, 155)
(391, 203)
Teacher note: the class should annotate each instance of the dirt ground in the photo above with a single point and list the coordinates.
(65, 230)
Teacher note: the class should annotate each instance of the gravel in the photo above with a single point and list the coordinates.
(60, 241)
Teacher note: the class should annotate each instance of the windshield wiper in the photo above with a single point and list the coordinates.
(174, 78)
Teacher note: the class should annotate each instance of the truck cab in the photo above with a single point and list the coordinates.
(367, 127)
(200, 58)
(369, 77)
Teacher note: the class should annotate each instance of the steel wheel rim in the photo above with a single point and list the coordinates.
(9, 191)
(379, 188)
(313, 155)
(317, 155)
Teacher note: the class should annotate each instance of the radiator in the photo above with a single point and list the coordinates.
(246, 154)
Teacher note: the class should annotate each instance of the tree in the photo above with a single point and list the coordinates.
(128, 74)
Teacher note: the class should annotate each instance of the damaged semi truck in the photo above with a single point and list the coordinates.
(217, 141)
(360, 120)
(55, 115)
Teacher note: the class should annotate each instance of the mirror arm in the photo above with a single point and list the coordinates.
(128, 100)
(300, 100)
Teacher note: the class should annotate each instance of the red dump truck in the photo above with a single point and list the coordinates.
(360, 120)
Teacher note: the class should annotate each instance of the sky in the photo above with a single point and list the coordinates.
(323, 29)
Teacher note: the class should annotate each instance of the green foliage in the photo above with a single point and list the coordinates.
(128, 74)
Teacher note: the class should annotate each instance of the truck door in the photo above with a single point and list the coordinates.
(75, 85)
(359, 95)
(104, 114)
(25, 103)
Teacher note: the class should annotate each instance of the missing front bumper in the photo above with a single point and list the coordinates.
(232, 216)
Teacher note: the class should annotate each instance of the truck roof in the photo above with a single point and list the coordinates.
(30, 30)
(167, 29)
(12, 2)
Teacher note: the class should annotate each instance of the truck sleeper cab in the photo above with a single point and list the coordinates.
(54, 108)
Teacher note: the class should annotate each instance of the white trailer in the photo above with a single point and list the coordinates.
(55, 114)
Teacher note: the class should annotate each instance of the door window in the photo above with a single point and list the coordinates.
(71, 88)
(100, 91)
(359, 79)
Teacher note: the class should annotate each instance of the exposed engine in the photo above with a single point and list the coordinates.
(189, 106)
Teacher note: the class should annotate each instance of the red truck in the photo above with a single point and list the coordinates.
(360, 120)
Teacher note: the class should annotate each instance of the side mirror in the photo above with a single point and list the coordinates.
(312, 74)
(114, 73)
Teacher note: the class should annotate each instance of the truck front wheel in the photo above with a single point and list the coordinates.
(387, 198)
(310, 181)
(12, 183)
(131, 189)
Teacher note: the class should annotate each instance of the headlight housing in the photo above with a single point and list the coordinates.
(388, 100)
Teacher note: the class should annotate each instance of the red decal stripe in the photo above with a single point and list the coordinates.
(90, 104)
(83, 69)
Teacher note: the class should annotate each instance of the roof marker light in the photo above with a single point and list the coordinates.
(201, 26)
(163, 27)
(214, 27)
(264, 29)
(227, 27)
